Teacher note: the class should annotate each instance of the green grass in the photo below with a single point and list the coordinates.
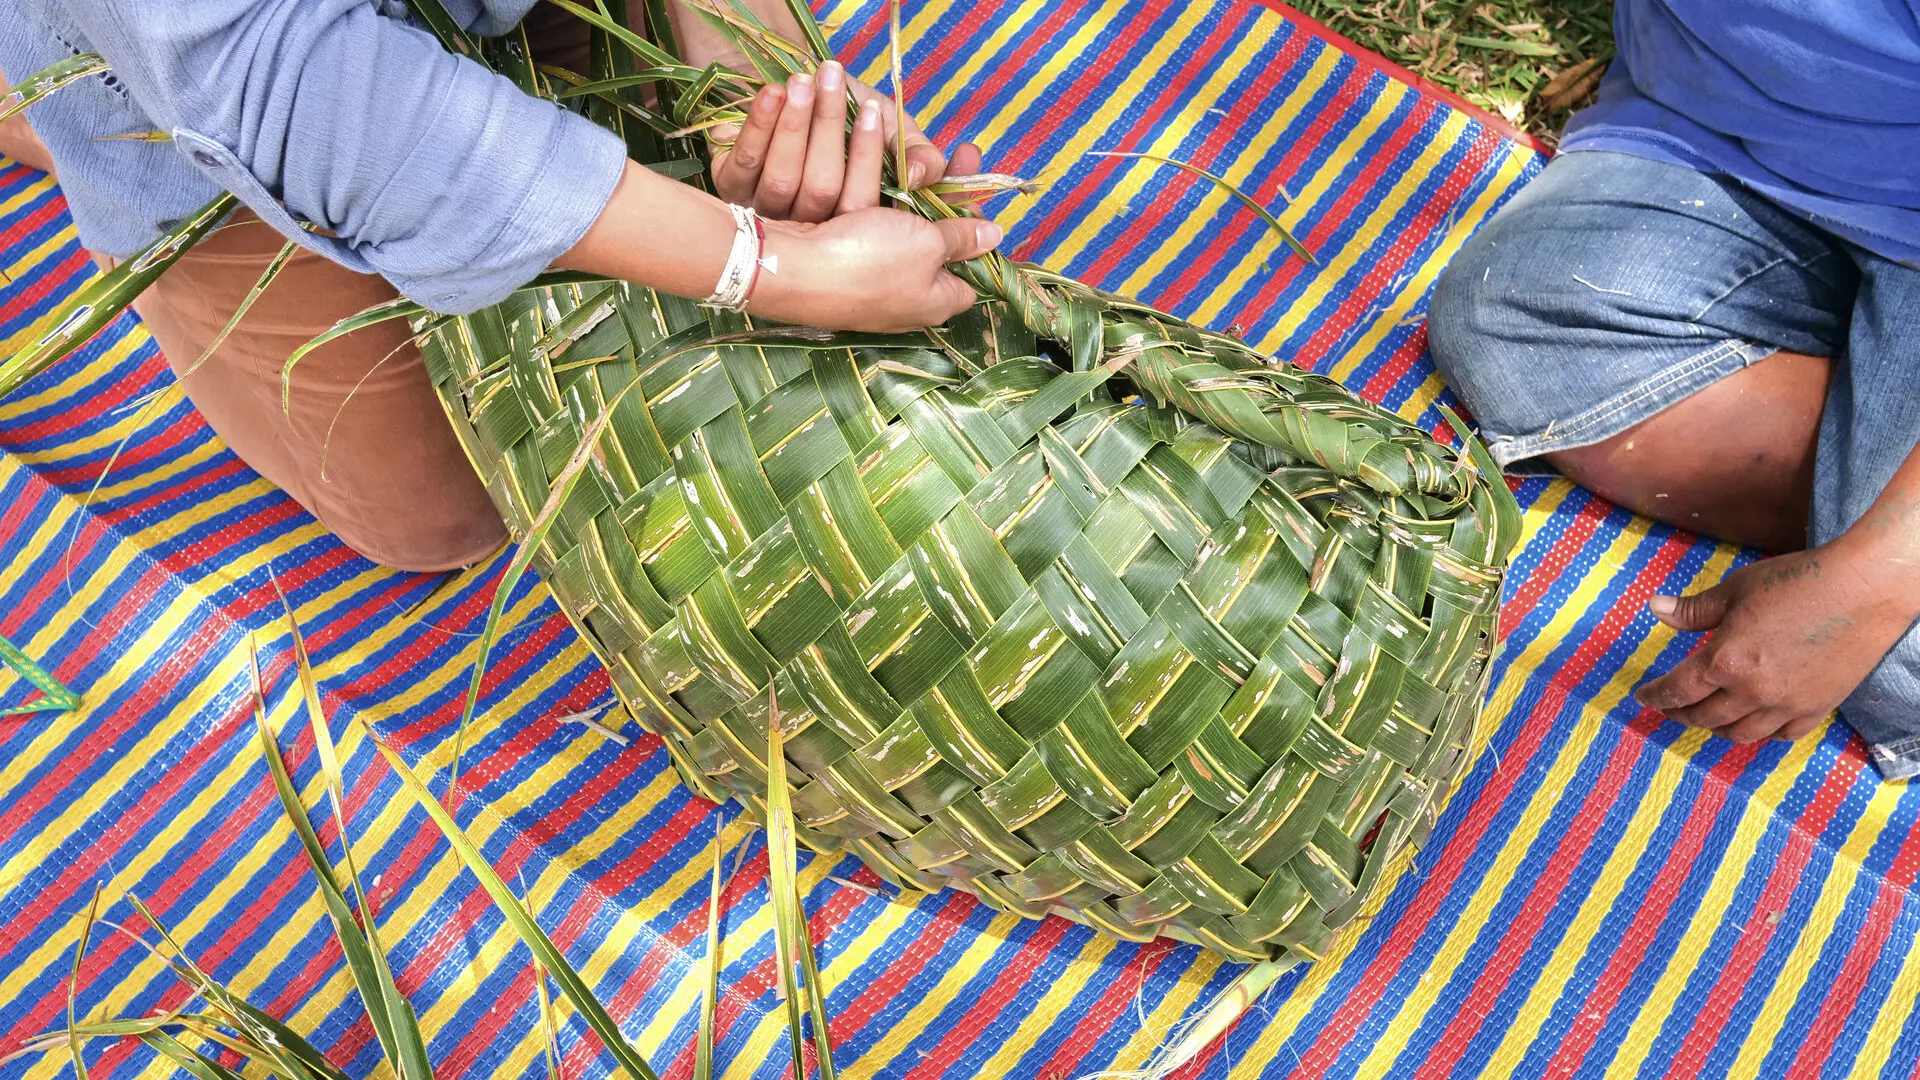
(1499, 54)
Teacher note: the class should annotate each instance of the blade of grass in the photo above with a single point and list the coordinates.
(193, 1061)
(101, 300)
(783, 887)
(360, 963)
(518, 917)
(899, 96)
(1523, 48)
(552, 1042)
(50, 78)
(1220, 182)
(409, 1051)
(73, 983)
(267, 276)
(710, 989)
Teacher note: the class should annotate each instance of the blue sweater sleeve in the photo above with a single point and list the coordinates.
(428, 169)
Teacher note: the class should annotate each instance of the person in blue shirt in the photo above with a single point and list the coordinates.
(395, 165)
(1707, 309)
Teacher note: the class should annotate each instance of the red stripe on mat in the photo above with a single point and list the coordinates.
(1802, 839)
(1381, 64)
(1624, 957)
(1842, 996)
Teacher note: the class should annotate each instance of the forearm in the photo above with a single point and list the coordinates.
(658, 233)
(1884, 545)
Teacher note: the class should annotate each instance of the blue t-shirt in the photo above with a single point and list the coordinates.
(1812, 103)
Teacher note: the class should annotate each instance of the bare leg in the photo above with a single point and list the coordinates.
(18, 141)
(1734, 461)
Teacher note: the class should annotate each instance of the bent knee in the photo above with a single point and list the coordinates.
(428, 543)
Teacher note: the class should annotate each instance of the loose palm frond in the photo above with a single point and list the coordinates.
(575, 987)
(106, 296)
(54, 76)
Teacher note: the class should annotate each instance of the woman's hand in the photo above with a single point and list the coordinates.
(871, 269)
(792, 157)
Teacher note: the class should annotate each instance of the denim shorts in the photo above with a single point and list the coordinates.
(1613, 286)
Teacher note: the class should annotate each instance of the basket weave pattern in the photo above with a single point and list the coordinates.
(1069, 602)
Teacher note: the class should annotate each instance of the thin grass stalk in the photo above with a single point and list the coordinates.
(73, 983)
(710, 987)
(1227, 186)
(266, 278)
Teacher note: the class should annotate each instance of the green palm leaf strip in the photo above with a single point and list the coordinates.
(791, 937)
(407, 1050)
(55, 697)
(519, 917)
(353, 944)
(50, 78)
(102, 299)
(710, 986)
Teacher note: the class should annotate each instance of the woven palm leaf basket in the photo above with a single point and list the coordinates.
(1068, 602)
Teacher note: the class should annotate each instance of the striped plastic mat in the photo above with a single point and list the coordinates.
(1608, 894)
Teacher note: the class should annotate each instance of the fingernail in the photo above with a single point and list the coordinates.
(916, 172)
(829, 77)
(869, 115)
(769, 98)
(800, 90)
(990, 234)
(1662, 605)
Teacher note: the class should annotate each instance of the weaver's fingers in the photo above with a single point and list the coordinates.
(866, 152)
(826, 147)
(1757, 725)
(787, 155)
(1701, 611)
(736, 170)
(1800, 726)
(967, 238)
(1685, 685)
(1720, 709)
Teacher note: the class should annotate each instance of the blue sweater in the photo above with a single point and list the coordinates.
(430, 170)
(1812, 103)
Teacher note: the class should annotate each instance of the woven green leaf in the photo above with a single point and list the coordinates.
(1069, 602)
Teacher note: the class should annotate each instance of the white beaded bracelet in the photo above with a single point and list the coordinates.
(742, 271)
